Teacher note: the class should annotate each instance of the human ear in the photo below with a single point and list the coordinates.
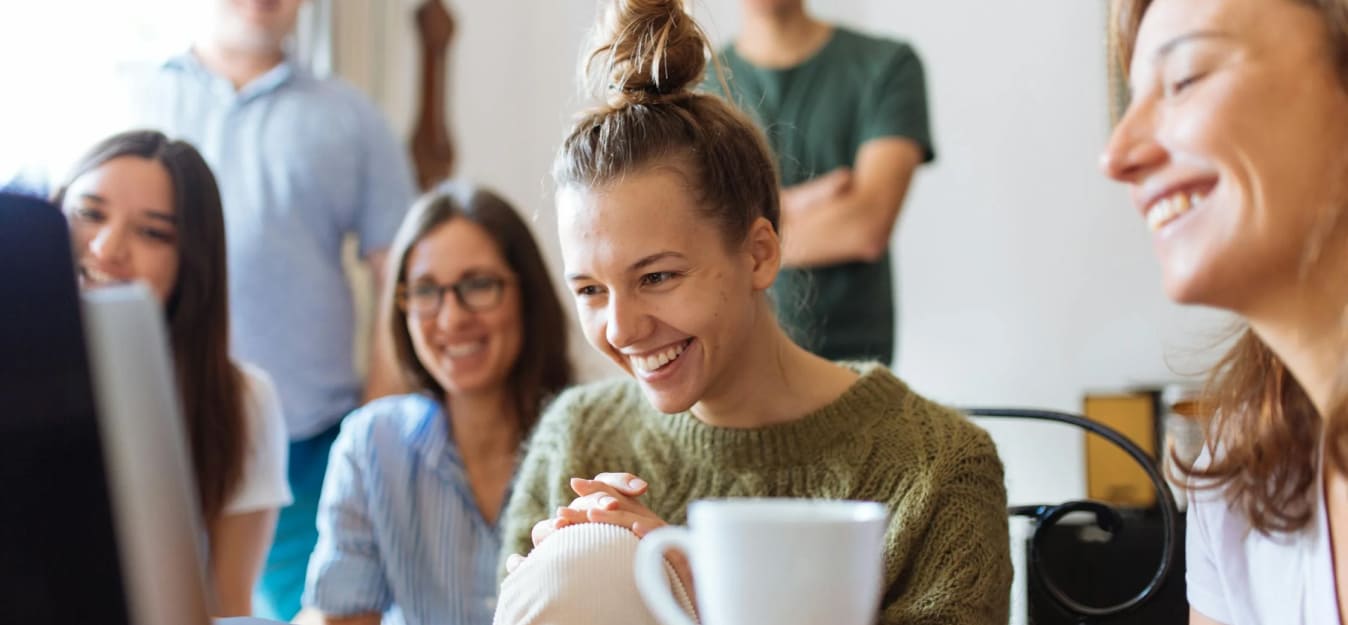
(765, 251)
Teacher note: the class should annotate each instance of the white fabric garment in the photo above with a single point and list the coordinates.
(581, 575)
(1238, 576)
(264, 482)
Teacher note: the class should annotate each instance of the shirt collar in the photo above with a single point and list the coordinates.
(269, 81)
(433, 441)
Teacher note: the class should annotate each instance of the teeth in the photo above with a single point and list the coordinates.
(460, 350)
(99, 277)
(1170, 208)
(1158, 213)
(654, 362)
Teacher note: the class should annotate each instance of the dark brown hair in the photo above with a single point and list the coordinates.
(209, 385)
(649, 56)
(543, 367)
(1257, 417)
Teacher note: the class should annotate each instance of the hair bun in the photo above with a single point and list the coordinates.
(647, 51)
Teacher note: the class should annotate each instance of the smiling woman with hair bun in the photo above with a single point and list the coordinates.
(668, 211)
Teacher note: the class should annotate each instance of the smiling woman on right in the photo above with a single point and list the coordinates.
(1235, 149)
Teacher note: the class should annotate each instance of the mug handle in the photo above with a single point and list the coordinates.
(650, 572)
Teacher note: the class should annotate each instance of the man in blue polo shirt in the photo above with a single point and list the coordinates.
(302, 163)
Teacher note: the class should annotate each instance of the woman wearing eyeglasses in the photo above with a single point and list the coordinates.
(416, 483)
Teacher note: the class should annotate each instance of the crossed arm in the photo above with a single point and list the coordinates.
(849, 215)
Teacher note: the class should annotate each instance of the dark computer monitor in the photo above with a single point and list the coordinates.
(58, 550)
(98, 516)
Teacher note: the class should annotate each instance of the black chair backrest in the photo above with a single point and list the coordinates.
(1045, 516)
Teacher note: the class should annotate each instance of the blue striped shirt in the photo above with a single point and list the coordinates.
(399, 530)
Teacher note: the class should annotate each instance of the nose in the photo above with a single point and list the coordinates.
(451, 314)
(109, 244)
(627, 322)
(1133, 149)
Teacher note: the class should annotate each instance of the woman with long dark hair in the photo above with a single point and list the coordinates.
(146, 208)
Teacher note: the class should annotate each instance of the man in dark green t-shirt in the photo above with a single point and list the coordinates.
(846, 115)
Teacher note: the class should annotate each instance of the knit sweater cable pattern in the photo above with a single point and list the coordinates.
(947, 557)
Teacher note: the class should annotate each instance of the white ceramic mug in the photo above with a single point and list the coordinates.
(771, 561)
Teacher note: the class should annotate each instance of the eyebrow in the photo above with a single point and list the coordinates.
(477, 271)
(1170, 46)
(652, 259)
(165, 217)
(156, 215)
(637, 266)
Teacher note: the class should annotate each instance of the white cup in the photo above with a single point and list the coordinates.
(771, 561)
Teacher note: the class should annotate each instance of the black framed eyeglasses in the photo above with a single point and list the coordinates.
(474, 294)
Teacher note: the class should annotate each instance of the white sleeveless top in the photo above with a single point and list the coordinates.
(1237, 576)
(264, 482)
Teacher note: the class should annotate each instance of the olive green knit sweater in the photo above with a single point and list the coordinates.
(947, 554)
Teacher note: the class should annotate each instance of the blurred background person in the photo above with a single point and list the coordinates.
(303, 163)
(846, 116)
(408, 523)
(144, 208)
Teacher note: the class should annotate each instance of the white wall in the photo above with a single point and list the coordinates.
(512, 91)
(1025, 277)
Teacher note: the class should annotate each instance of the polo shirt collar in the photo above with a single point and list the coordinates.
(269, 81)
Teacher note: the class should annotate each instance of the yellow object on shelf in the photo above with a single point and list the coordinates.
(1112, 476)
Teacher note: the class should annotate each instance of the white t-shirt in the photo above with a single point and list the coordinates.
(1238, 576)
(264, 482)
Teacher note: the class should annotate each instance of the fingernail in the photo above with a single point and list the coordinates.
(637, 483)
